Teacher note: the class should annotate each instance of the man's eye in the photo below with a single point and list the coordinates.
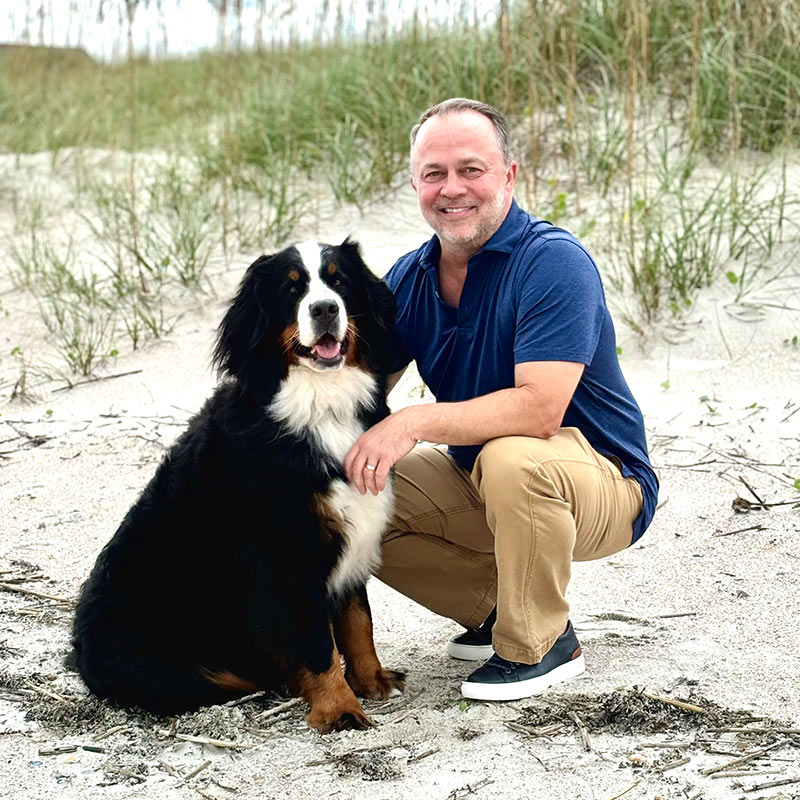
(432, 176)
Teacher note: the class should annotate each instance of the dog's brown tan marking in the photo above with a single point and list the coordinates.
(321, 506)
(229, 681)
(353, 355)
(334, 707)
(289, 338)
(364, 672)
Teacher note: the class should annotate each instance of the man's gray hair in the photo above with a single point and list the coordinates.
(456, 104)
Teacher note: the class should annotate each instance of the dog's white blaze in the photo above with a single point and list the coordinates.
(311, 253)
(325, 404)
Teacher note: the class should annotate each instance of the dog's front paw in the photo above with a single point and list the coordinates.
(331, 720)
(381, 684)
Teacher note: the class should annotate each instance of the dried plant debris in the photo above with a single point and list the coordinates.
(7, 651)
(631, 711)
(42, 615)
(214, 722)
(72, 710)
(124, 768)
(376, 764)
(21, 569)
(62, 712)
(616, 616)
(612, 638)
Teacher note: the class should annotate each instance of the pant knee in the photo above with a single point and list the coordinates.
(512, 464)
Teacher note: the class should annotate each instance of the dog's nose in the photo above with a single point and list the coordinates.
(324, 311)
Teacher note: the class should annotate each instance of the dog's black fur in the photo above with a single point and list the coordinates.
(216, 582)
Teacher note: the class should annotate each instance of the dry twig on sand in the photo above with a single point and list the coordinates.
(196, 771)
(582, 730)
(677, 703)
(19, 590)
(672, 764)
(772, 784)
(741, 530)
(744, 759)
(96, 380)
(246, 699)
(470, 788)
(183, 737)
(40, 690)
(622, 794)
(280, 708)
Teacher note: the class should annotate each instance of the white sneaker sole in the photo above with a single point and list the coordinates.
(523, 689)
(469, 652)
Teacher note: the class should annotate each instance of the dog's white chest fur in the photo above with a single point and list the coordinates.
(324, 405)
(363, 520)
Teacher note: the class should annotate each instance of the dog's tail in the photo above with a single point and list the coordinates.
(229, 681)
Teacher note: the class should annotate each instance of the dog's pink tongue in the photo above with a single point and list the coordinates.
(327, 347)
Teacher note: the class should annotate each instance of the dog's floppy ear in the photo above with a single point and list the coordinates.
(244, 324)
(380, 345)
(381, 302)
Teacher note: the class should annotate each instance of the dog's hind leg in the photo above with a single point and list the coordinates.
(353, 631)
(334, 707)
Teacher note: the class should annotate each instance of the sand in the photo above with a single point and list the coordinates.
(702, 611)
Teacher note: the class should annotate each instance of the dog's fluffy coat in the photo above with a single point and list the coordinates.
(242, 565)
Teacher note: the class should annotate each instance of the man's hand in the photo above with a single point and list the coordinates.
(381, 447)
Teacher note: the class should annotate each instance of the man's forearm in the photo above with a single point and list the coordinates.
(507, 412)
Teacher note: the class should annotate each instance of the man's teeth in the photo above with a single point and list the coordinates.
(455, 210)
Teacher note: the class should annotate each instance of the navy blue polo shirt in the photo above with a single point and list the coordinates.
(532, 293)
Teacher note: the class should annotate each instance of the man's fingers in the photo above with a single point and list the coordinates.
(371, 475)
(354, 463)
(381, 474)
(360, 474)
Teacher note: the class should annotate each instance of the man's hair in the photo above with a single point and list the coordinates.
(456, 104)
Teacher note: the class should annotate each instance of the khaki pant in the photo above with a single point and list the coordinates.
(506, 534)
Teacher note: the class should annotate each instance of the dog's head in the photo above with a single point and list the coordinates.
(313, 305)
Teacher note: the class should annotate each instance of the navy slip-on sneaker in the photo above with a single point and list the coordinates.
(499, 679)
(475, 644)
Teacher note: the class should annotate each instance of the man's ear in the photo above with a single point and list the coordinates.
(511, 174)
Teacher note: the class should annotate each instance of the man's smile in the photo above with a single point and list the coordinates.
(460, 210)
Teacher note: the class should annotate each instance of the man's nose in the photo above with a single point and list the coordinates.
(453, 185)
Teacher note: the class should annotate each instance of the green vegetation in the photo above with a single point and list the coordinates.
(618, 108)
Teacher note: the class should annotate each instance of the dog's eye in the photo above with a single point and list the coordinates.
(293, 290)
(337, 282)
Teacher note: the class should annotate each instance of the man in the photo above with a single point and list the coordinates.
(547, 462)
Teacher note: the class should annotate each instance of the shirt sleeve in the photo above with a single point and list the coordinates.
(561, 305)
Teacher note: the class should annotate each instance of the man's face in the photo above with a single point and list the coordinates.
(463, 187)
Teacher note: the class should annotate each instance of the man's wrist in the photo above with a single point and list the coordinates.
(413, 418)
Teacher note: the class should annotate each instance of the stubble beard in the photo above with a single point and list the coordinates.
(492, 214)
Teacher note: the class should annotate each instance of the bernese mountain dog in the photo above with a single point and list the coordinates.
(242, 565)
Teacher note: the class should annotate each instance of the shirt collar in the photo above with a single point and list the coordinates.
(507, 236)
(504, 239)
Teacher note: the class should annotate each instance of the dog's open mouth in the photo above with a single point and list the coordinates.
(328, 351)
